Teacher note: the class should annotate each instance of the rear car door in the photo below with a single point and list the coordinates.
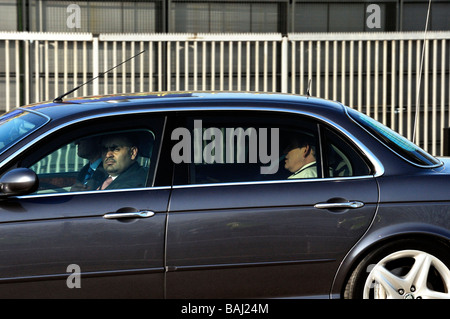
(64, 242)
(236, 231)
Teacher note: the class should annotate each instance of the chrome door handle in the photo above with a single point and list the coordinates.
(345, 205)
(140, 214)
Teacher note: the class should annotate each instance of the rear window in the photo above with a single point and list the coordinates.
(393, 140)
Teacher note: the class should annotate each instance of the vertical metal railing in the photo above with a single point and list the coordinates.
(379, 73)
(44, 64)
(376, 73)
(208, 62)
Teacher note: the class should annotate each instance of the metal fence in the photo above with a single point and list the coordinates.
(376, 73)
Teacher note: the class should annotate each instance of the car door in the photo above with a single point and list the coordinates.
(85, 243)
(234, 232)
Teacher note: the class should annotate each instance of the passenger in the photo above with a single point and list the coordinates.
(92, 174)
(300, 158)
(119, 161)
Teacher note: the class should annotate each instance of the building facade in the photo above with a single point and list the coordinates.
(222, 16)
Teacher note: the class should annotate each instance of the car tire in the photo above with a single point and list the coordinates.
(405, 269)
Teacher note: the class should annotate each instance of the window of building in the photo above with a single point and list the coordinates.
(224, 16)
(438, 16)
(8, 15)
(95, 16)
(337, 16)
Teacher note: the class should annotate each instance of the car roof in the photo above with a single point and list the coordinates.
(104, 104)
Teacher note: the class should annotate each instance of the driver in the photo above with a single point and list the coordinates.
(119, 161)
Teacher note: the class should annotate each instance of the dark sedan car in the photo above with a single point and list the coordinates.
(227, 195)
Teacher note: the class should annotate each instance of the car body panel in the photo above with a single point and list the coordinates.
(415, 212)
(270, 228)
(42, 235)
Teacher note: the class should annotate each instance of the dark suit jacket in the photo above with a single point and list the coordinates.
(97, 178)
(134, 177)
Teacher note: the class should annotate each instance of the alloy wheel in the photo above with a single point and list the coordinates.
(408, 274)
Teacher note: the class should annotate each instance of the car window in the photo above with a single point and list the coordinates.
(396, 142)
(225, 149)
(121, 157)
(245, 147)
(17, 124)
(341, 160)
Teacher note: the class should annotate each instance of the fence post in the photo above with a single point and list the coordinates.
(95, 64)
(284, 64)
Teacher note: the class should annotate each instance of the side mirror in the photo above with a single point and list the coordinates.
(19, 181)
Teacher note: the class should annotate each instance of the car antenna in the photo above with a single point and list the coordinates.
(420, 74)
(308, 91)
(59, 99)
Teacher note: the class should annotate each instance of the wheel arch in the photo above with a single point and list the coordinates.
(376, 240)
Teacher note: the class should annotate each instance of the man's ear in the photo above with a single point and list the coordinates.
(134, 152)
(307, 151)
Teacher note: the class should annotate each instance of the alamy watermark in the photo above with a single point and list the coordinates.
(229, 145)
(373, 20)
(74, 279)
(74, 18)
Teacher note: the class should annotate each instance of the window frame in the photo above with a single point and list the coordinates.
(392, 140)
(68, 152)
(182, 171)
(342, 139)
(69, 132)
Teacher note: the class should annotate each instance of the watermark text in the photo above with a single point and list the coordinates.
(229, 145)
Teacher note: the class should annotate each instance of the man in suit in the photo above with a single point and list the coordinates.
(92, 175)
(119, 161)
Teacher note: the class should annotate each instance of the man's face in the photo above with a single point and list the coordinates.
(117, 155)
(295, 159)
(88, 148)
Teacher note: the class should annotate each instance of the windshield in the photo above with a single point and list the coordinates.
(17, 124)
(393, 140)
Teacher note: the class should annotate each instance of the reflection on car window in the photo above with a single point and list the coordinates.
(116, 160)
(17, 124)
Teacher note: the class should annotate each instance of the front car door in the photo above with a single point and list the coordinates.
(235, 231)
(63, 241)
